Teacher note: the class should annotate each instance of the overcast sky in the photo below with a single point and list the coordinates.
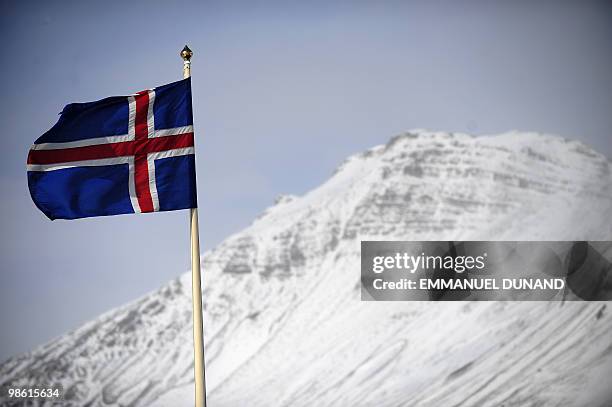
(283, 92)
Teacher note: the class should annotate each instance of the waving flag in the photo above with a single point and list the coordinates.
(123, 154)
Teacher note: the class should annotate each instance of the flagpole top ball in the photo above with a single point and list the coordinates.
(186, 53)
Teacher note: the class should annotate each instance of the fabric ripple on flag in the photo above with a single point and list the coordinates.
(122, 154)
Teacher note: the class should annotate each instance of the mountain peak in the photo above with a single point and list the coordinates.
(283, 321)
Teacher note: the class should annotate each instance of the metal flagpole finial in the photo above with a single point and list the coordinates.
(186, 53)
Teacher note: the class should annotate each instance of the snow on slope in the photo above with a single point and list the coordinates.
(284, 324)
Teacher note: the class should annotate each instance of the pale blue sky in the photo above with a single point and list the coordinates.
(283, 92)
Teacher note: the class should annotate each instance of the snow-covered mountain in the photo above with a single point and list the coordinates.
(284, 324)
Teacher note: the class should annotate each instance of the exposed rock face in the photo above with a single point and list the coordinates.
(284, 324)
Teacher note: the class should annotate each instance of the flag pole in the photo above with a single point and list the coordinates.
(196, 287)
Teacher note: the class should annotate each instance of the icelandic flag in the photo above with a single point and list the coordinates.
(122, 154)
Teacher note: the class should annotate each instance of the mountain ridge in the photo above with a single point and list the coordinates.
(281, 297)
